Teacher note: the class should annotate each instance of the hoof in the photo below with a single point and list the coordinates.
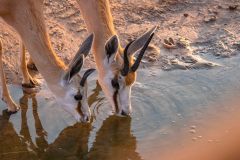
(32, 87)
(5, 114)
(9, 113)
(28, 85)
(30, 90)
(32, 66)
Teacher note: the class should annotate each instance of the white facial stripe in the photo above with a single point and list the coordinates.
(121, 99)
(85, 108)
(125, 99)
(65, 98)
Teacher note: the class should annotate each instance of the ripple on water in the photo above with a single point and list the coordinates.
(164, 106)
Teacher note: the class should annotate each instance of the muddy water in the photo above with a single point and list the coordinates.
(166, 107)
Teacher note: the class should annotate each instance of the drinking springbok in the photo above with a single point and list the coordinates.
(70, 90)
(116, 66)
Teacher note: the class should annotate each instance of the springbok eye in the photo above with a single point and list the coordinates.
(115, 84)
(78, 97)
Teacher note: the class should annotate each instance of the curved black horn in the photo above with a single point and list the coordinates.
(140, 56)
(85, 76)
(125, 69)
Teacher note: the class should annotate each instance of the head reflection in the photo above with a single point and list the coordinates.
(113, 140)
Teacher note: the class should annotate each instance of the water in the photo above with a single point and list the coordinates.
(166, 105)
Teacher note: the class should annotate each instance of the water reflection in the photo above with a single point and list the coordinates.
(14, 146)
(163, 112)
(41, 143)
(96, 98)
(113, 140)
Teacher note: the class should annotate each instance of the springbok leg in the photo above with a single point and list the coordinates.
(11, 105)
(28, 81)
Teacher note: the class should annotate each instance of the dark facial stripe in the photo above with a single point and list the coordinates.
(116, 101)
(79, 110)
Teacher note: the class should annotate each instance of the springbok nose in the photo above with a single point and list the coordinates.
(123, 113)
(78, 97)
(85, 119)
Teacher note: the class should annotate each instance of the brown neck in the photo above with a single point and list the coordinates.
(98, 18)
(29, 22)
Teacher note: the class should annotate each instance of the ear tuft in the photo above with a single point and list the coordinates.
(111, 47)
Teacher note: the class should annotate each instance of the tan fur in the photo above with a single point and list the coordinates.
(106, 16)
(26, 16)
(130, 78)
(98, 18)
(12, 106)
(30, 23)
(27, 78)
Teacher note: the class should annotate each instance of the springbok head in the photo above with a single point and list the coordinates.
(120, 74)
(72, 95)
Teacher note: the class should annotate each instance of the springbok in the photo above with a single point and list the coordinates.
(70, 90)
(116, 66)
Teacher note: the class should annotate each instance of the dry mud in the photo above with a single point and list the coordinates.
(199, 29)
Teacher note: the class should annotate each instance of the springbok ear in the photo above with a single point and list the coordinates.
(85, 76)
(74, 69)
(140, 42)
(77, 62)
(84, 49)
(111, 48)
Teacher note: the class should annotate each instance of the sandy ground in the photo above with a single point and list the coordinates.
(198, 28)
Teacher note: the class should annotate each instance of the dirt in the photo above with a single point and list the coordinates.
(199, 29)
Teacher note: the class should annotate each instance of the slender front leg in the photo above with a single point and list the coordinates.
(28, 81)
(12, 106)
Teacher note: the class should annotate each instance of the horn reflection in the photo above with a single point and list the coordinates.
(114, 140)
(114, 137)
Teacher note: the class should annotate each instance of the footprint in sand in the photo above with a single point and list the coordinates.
(179, 55)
